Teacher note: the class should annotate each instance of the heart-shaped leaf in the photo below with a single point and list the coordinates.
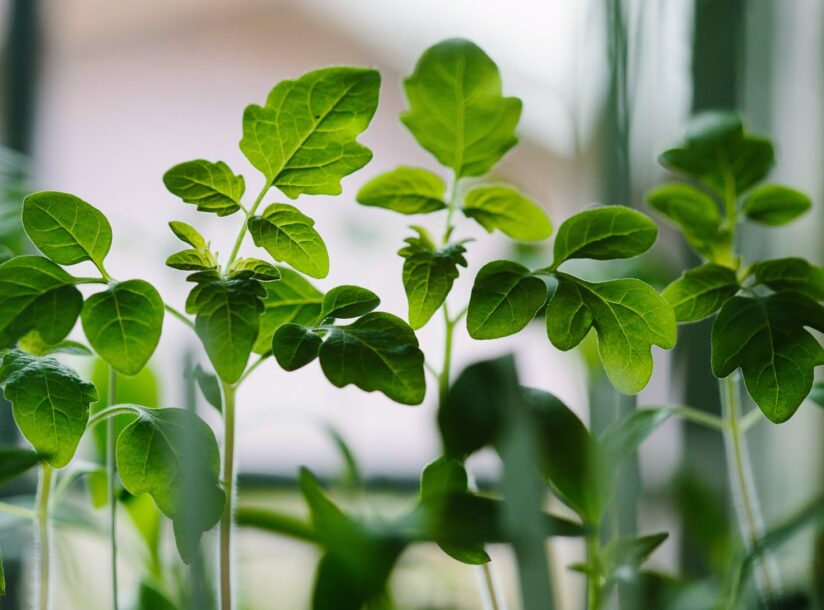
(292, 299)
(456, 110)
(791, 274)
(66, 229)
(407, 190)
(506, 209)
(303, 138)
(36, 294)
(767, 339)
(504, 299)
(348, 302)
(50, 403)
(124, 324)
(211, 186)
(775, 205)
(289, 236)
(295, 346)
(701, 291)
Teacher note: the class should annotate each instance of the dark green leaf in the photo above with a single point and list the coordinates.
(376, 352)
(428, 275)
(36, 294)
(124, 323)
(408, 190)
(188, 234)
(50, 403)
(228, 314)
(623, 438)
(506, 209)
(442, 477)
(791, 274)
(604, 233)
(289, 236)
(775, 205)
(172, 455)
(630, 552)
(701, 291)
(151, 598)
(209, 387)
(766, 338)
(192, 260)
(292, 299)
(303, 138)
(66, 229)
(456, 110)
(295, 346)
(628, 316)
(211, 186)
(14, 461)
(504, 299)
(256, 269)
(348, 302)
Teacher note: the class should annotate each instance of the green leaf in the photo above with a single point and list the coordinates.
(506, 209)
(36, 294)
(628, 316)
(192, 260)
(630, 552)
(151, 598)
(212, 187)
(50, 403)
(695, 213)
(766, 338)
(292, 299)
(442, 477)
(456, 110)
(604, 233)
(376, 352)
(33, 343)
(188, 234)
(817, 394)
(66, 229)
(228, 314)
(701, 291)
(303, 138)
(504, 299)
(124, 323)
(14, 461)
(791, 274)
(408, 190)
(172, 455)
(623, 438)
(775, 205)
(289, 236)
(428, 275)
(348, 302)
(295, 346)
(718, 153)
(209, 387)
(253, 268)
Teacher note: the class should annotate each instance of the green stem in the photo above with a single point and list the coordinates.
(111, 480)
(111, 412)
(179, 315)
(254, 365)
(740, 474)
(489, 582)
(242, 233)
(593, 584)
(90, 280)
(443, 378)
(43, 543)
(700, 417)
(18, 511)
(229, 486)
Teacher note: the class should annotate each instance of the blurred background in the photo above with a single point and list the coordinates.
(100, 98)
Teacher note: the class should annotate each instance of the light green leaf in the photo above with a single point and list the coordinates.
(33, 343)
(604, 233)
(623, 438)
(291, 300)
(303, 138)
(124, 323)
(289, 236)
(456, 110)
(50, 403)
(211, 186)
(701, 291)
(775, 205)
(348, 302)
(408, 190)
(192, 260)
(172, 455)
(66, 229)
(295, 346)
(376, 352)
(696, 214)
(506, 209)
(629, 317)
(228, 314)
(14, 461)
(428, 275)
(188, 234)
(504, 299)
(253, 268)
(766, 338)
(791, 274)
(36, 294)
